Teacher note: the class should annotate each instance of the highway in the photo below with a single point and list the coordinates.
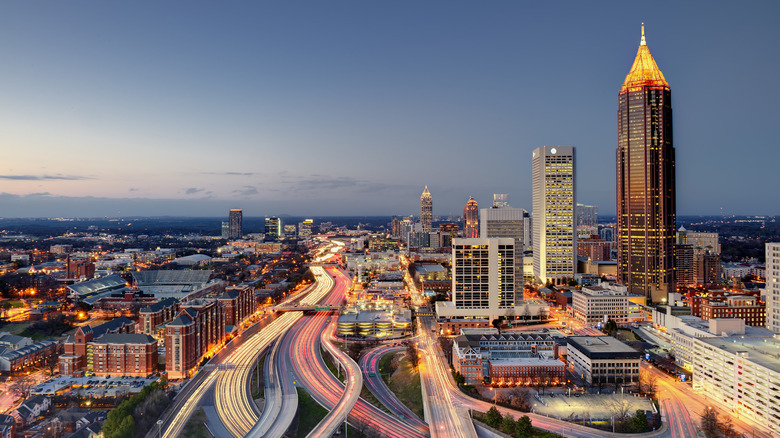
(369, 365)
(191, 396)
(354, 384)
(233, 400)
(309, 367)
(444, 417)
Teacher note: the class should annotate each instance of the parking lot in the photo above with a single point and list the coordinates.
(93, 386)
(588, 406)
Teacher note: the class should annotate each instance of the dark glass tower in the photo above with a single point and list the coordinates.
(646, 212)
(235, 219)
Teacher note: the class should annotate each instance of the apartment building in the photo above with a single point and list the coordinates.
(124, 354)
(194, 334)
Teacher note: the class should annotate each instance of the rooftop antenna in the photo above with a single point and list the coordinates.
(643, 42)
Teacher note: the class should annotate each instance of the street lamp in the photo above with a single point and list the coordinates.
(159, 428)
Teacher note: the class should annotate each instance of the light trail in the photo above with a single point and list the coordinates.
(323, 386)
(233, 399)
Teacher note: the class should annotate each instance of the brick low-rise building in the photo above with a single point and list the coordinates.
(124, 354)
(77, 359)
(238, 303)
(151, 319)
(195, 333)
(746, 307)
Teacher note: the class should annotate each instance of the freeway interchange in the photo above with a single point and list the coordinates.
(294, 343)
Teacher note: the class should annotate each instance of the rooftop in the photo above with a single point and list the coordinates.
(762, 350)
(644, 72)
(601, 347)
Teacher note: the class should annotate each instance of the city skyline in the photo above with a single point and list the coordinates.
(279, 109)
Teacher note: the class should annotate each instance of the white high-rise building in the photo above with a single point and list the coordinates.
(554, 218)
(773, 287)
(483, 282)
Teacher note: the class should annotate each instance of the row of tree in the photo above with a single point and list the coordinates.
(137, 415)
(517, 428)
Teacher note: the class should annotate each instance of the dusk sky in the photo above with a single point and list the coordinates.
(352, 107)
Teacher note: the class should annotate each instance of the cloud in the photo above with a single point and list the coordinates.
(324, 183)
(43, 177)
(133, 189)
(193, 190)
(232, 173)
(246, 191)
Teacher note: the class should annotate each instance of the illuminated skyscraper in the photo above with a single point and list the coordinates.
(273, 228)
(235, 219)
(304, 228)
(554, 197)
(426, 210)
(646, 211)
(471, 219)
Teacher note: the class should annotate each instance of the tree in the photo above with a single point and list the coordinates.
(638, 422)
(412, 354)
(709, 423)
(23, 385)
(493, 417)
(648, 383)
(610, 328)
(508, 424)
(51, 360)
(620, 408)
(523, 427)
(520, 399)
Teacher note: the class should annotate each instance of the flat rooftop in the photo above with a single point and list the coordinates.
(762, 350)
(602, 347)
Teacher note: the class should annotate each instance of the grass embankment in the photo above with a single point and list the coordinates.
(310, 413)
(405, 384)
(258, 387)
(15, 328)
(195, 427)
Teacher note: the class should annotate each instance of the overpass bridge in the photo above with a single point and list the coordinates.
(306, 308)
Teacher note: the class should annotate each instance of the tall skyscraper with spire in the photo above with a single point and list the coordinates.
(426, 210)
(646, 211)
(471, 219)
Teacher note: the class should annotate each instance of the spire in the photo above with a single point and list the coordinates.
(644, 72)
(426, 191)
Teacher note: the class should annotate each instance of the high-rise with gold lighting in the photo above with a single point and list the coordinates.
(471, 219)
(426, 210)
(646, 211)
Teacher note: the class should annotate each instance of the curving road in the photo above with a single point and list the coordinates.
(233, 399)
(309, 367)
(369, 364)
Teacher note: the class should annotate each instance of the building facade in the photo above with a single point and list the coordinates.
(554, 199)
(195, 333)
(273, 228)
(483, 282)
(591, 304)
(124, 354)
(235, 223)
(646, 208)
(772, 291)
(505, 221)
(426, 210)
(600, 360)
(471, 219)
